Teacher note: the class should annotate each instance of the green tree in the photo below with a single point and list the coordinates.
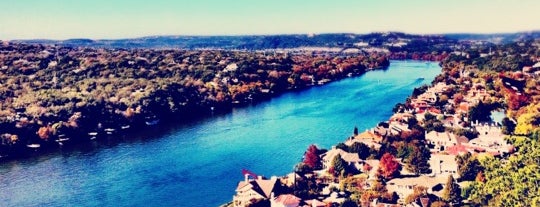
(452, 192)
(508, 126)
(481, 112)
(468, 166)
(348, 203)
(504, 182)
(418, 161)
(339, 165)
(360, 148)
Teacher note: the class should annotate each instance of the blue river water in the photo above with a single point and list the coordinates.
(199, 163)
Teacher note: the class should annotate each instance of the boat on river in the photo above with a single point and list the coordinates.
(152, 122)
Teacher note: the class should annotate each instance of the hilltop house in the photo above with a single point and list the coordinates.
(254, 189)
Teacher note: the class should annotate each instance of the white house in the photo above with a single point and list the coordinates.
(491, 139)
(443, 140)
(350, 158)
(443, 164)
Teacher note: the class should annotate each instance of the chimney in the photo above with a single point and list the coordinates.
(246, 176)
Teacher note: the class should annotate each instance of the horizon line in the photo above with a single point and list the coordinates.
(268, 34)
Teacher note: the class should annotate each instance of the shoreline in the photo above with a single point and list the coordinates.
(84, 136)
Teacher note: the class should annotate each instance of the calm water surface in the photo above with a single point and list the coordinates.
(199, 164)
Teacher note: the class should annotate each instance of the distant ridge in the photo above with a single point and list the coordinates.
(261, 42)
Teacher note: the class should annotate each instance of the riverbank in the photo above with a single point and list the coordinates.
(68, 95)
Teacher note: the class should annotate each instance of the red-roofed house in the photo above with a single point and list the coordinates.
(286, 200)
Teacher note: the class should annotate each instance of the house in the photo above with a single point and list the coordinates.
(491, 139)
(403, 187)
(460, 149)
(443, 164)
(369, 138)
(350, 158)
(398, 127)
(442, 140)
(285, 200)
(371, 167)
(334, 198)
(315, 203)
(231, 67)
(377, 203)
(253, 189)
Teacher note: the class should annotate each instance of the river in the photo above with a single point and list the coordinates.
(199, 164)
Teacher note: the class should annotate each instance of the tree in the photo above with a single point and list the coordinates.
(418, 191)
(355, 131)
(418, 160)
(481, 112)
(468, 166)
(312, 158)
(439, 204)
(360, 148)
(348, 203)
(388, 166)
(508, 126)
(377, 191)
(44, 132)
(458, 98)
(503, 183)
(452, 192)
(339, 165)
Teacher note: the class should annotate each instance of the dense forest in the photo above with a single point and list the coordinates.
(50, 93)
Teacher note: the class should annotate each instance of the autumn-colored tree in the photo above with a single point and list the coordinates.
(418, 191)
(388, 166)
(129, 113)
(312, 158)
(480, 177)
(13, 138)
(439, 204)
(44, 132)
(458, 98)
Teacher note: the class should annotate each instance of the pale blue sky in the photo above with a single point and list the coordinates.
(62, 19)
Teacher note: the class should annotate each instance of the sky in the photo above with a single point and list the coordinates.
(114, 19)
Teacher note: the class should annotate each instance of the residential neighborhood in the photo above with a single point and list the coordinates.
(421, 156)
